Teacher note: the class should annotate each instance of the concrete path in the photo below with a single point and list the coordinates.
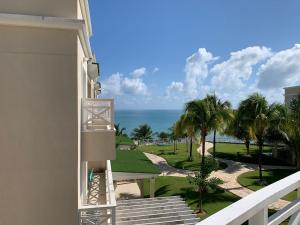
(127, 190)
(229, 175)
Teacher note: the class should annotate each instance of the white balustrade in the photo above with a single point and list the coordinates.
(97, 114)
(100, 214)
(254, 207)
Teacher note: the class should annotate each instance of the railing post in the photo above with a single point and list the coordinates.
(261, 218)
(113, 216)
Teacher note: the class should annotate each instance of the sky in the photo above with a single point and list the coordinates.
(159, 54)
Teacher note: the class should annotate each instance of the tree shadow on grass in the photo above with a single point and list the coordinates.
(161, 191)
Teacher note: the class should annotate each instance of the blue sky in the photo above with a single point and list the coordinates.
(158, 54)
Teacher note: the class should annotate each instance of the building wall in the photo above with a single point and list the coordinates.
(290, 93)
(39, 125)
(56, 8)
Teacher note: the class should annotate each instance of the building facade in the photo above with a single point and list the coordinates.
(53, 129)
(290, 93)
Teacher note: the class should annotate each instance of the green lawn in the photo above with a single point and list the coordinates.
(237, 152)
(213, 202)
(133, 161)
(178, 159)
(250, 179)
(123, 140)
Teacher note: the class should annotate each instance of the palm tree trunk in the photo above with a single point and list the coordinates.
(260, 162)
(187, 144)
(203, 150)
(247, 143)
(200, 201)
(174, 146)
(191, 149)
(214, 147)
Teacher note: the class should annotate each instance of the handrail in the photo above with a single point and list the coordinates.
(97, 114)
(109, 209)
(254, 206)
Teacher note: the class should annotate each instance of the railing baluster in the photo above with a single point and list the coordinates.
(261, 218)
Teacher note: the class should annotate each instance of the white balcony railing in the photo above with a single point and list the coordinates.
(104, 214)
(97, 114)
(254, 207)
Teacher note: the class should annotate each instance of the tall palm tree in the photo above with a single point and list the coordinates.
(186, 124)
(221, 114)
(294, 128)
(203, 119)
(235, 128)
(259, 116)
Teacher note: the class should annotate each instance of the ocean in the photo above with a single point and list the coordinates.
(158, 120)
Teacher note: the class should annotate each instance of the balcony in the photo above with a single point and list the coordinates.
(99, 207)
(254, 207)
(98, 133)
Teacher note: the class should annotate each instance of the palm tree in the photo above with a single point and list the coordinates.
(119, 131)
(235, 128)
(143, 132)
(293, 127)
(203, 118)
(202, 180)
(258, 116)
(221, 113)
(186, 124)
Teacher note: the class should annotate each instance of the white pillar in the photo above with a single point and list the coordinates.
(141, 185)
(152, 187)
(261, 218)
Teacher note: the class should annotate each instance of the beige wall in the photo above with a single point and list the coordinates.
(290, 93)
(38, 132)
(58, 8)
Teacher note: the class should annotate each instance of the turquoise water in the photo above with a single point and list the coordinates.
(159, 120)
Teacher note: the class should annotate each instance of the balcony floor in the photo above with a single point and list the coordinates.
(97, 190)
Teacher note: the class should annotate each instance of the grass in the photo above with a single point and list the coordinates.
(134, 162)
(237, 152)
(179, 159)
(250, 180)
(123, 140)
(169, 186)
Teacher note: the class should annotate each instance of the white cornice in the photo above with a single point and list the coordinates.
(85, 9)
(50, 22)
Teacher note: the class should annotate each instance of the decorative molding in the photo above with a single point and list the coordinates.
(51, 23)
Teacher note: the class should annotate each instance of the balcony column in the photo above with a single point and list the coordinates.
(152, 187)
(141, 185)
(261, 218)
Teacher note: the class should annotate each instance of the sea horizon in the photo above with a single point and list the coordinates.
(160, 120)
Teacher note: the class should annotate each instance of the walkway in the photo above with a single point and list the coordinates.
(228, 175)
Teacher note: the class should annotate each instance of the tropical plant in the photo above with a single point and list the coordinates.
(258, 116)
(163, 136)
(186, 125)
(235, 128)
(221, 114)
(202, 180)
(141, 133)
(119, 130)
(293, 128)
(203, 119)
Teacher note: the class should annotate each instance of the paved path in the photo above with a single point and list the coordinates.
(229, 175)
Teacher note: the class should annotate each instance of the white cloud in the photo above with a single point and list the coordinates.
(155, 70)
(173, 89)
(282, 69)
(112, 85)
(117, 85)
(196, 70)
(134, 86)
(138, 72)
(232, 75)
